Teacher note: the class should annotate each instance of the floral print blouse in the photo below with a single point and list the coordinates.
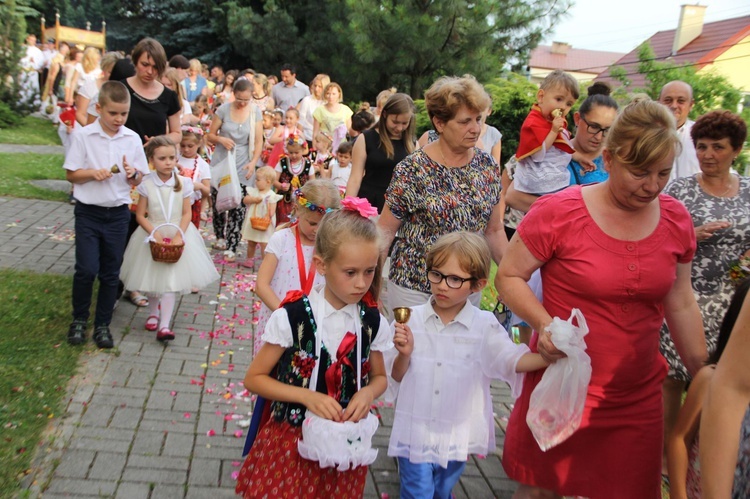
(431, 200)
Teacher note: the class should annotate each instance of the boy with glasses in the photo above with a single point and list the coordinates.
(447, 354)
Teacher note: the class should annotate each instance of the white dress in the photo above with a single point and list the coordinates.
(286, 277)
(259, 210)
(194, 269)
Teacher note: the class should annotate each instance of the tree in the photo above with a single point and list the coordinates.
(413, 42)
(12, 35)
(710, 90)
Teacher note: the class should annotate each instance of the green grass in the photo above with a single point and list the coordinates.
(19, 168)
(31, 131)
(36, 364)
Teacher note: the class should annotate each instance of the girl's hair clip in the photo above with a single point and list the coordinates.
(192, 129)
(359, 205)
(302, 200)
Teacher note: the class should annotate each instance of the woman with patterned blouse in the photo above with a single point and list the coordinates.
(447, 186)
(718, 201)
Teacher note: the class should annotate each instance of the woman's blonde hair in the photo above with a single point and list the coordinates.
(470, 249)
(174, 78)
(342, 226)
(450, 93)
(331, 85)
(163, 141)
(195, 65)
(395, 105)
(262, 80)
(91, 58)
(643, 134)
(324, 80)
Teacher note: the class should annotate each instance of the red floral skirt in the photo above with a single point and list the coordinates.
(274, 469)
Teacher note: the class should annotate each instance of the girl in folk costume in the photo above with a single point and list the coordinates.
(194, 167)
(287, 261)
(165, 197)
(320, 154)
(289, 129)
(293, 171)
(261, 211)
(324, 347)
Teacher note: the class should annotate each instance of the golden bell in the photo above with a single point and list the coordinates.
(402, 314)
(115, 169)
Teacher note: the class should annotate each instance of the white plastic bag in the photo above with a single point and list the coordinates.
(556, 404)
(226, 181)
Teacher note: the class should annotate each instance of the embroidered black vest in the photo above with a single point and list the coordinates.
(286, 176)
(293, 369)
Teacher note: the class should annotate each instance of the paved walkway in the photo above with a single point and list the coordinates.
(146, 420)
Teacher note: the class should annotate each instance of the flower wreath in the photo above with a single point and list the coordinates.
(192, 129)
(303, 201)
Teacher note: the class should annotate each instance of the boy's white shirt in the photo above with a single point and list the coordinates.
(444, 407)
(92, 148)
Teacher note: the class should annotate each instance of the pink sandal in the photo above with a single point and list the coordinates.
(152, 323)
(164, 334)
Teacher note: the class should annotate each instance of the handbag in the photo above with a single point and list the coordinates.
(260, 223)
(345, 445)
(225, 180)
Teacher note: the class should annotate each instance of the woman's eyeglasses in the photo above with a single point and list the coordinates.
(453, 281)
(594, 129)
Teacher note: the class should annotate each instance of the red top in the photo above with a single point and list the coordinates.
(534, 131)
(619, 286)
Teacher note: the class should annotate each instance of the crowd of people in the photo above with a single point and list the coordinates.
(638, 219)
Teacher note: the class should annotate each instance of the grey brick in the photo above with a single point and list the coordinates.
(76, 487)
(107, 466)
(130, 490)
(75, 464)
(204, 472)
(101, 444)
(148, 443)
(154, 475)
(178, 444)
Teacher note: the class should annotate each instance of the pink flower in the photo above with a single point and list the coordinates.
(360, 205)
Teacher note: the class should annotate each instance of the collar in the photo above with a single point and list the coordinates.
(159, 183)
(96, 127)
(317, 294)
(465, 316)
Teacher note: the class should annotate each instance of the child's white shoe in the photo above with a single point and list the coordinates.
(229, 256)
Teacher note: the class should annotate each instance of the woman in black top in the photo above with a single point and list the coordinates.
(154, 109)
(377, 151)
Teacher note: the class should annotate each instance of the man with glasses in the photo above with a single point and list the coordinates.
(678, 97)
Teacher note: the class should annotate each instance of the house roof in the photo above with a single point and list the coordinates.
(716, 38)
(578, 60)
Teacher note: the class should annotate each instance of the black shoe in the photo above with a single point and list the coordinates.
(77, 332)
(102, 337)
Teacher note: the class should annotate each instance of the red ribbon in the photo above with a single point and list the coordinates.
(333, 373)
(305, 284)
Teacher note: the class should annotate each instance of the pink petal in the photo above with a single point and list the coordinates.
(238, 433)
(186, 415)
(210, 433)
(235, 474)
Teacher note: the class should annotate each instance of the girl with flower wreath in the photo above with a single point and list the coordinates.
(293, 171)
(194, 167)
(322, 366)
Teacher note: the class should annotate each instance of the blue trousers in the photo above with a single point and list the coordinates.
(428, 480)
(101, 237)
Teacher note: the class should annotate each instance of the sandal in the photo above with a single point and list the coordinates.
(152, 323)
(229, 256)
(219, 244)
(164, 334)
(137, 299)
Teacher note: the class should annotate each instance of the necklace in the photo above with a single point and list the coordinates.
(702, 181)
(445, 161)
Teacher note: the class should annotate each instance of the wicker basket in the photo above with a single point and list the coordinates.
(260, 223)
(166, 253)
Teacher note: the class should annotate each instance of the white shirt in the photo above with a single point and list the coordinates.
(444, 406)
(91, 148)
(332, 327)
(685, 163)
(203, 173)
(34, 59)
(340, 176)
(187, 184)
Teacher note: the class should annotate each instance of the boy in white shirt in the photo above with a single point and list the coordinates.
(104, 160)
(448, 352)
(339, 169)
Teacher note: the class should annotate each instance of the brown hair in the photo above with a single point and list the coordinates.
(449, 93)
(643, 134)
(397, 104)
(560, 79)
(717, 125)
(154, 49)
(163, 141)
(113, 91)
(470, 249)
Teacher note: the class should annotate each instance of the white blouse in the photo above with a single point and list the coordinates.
(444, 406)
(332, 328)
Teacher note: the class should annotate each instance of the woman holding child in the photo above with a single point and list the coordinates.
(446, 186)
(621, 252)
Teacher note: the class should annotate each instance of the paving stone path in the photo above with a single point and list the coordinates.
(146, 420)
